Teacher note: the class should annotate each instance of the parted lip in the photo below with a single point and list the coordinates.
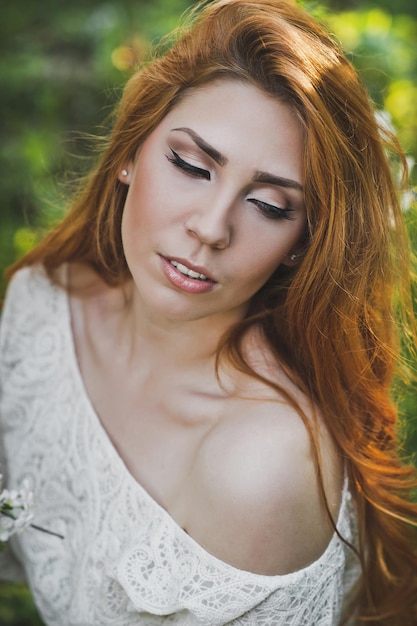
(195, 268)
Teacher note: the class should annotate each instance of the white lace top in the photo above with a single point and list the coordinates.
(123, 560)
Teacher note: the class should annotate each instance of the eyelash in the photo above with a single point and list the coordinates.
(189, 169)
(270, 211)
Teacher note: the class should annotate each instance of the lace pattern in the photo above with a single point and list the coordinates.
(124, 561)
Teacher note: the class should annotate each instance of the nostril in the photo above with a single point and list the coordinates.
(214, 234)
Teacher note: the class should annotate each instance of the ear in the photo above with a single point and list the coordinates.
(125, 174)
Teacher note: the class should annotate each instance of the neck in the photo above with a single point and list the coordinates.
(171, 343)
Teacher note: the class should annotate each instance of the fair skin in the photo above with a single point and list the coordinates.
(214, 191)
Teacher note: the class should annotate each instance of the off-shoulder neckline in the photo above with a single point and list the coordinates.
(162, 513)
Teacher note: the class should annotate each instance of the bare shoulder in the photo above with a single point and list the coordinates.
(260, 506)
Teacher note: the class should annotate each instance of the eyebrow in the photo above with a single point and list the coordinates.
(260, 177)
(205, 147)
(271, 179)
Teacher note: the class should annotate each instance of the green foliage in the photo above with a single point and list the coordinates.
(406, 392)
(17, 607)
(399, 7)
(382, 47)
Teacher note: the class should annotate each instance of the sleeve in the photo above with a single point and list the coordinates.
(10, 567)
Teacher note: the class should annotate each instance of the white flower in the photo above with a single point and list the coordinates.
(16, 510)
(6, 528)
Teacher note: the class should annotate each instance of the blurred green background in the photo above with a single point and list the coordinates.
(62, 67)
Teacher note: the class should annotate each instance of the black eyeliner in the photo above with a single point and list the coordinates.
(271, 211)
(186, 167)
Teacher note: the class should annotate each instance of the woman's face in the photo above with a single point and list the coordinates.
(215, 202)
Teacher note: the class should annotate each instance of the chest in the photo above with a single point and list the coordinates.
(159, 426)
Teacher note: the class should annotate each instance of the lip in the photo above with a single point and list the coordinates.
(200, 269)
(186, 283)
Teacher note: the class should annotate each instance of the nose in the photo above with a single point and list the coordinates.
(211, 224)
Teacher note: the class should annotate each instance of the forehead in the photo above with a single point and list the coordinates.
(237, 118)
(228, 97)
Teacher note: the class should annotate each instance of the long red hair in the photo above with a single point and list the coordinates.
(331, 320)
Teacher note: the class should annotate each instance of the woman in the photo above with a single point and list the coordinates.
(196, 362)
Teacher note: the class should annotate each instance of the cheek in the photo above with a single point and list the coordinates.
(267, 250)
(137, 212)
(129, 229)
(258, 267)
(134, 228)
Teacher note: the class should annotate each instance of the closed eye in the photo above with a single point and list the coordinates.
(271, 211)
(187, 168)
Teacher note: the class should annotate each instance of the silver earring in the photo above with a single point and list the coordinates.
(293, 257)
(124, 172)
